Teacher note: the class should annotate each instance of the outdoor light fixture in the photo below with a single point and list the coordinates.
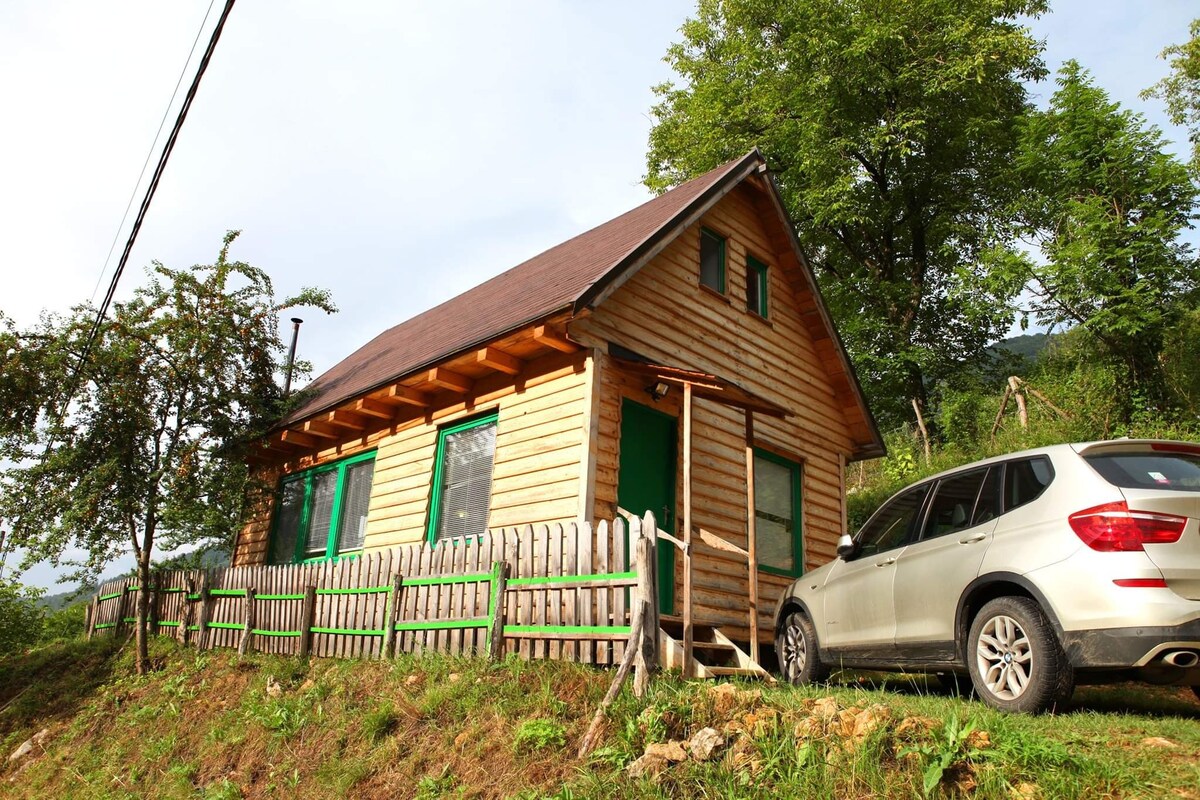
(658, 390)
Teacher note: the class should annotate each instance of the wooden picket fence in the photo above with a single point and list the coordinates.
(560, 592)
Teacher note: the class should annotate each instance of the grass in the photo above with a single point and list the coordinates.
(205, 725)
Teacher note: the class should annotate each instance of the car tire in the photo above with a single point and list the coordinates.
(797, 650)
(1015, 659)
(1196, 691)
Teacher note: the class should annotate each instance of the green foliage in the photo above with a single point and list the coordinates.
(890, 127)
(1181, 89)
(64, 624)
(539, 734)
(947, 750)
(21, 618)
(1106, 205)
(178, 380)
(380, 723)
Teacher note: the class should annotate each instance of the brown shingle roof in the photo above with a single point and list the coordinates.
(565, 275)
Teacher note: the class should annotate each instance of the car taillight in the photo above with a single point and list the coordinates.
(1112, 527)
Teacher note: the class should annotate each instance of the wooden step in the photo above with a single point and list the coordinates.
(713, 654)
(721, 672)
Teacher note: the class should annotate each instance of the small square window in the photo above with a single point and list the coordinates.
(712, 260)
(756, 286)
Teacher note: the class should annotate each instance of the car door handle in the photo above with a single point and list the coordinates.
(887, 562)
(979, 537)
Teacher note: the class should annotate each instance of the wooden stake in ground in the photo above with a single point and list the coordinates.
(635, 634)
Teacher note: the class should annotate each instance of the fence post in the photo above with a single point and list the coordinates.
(152, 604)
(306, 620)
(205, 611)
(642, 604)
(495, 636)
(244, 644)
(389, 617)
(650, 629)
(185, 611)
(93, 610)
(121, 605)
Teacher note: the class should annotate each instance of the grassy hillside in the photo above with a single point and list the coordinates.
(206, 725)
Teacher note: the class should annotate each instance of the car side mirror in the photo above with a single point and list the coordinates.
(845, 546)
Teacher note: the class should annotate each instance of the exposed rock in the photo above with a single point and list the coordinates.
(1025, 791)
(980, 740)
(743, 757)
(1158, 741)
(671, 751)
(454, 677)
(273, 687)
(29, 744)
(648, 766)
(825, 707)
(704, 743)
(308, 684)
(913, 728)
(727, 697)
(412, 680)
(863, 723)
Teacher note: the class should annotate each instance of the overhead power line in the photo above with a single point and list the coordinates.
(141, 215)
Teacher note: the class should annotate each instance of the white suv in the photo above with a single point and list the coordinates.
(1030, 572)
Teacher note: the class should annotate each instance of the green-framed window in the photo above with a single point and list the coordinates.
(321, 513)
(712, 260)
(462, 479)
(756, 286)
(777, 515)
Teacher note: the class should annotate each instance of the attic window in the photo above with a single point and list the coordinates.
(321, 513)
(712, 260)
(756, 286)
(462, 480)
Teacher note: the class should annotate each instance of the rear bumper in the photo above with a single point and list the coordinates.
(1121, 648)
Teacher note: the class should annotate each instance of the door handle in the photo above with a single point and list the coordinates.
(887, 562)
(979, 537)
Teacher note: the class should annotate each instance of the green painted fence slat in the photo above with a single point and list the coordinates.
(348, 631)
(258, 632)
(104, 597)
(367, 590)
(447, 624)
(166, 623)
(278, 597)
(448, 580)
(606, 576)
(615, 630)
(104, 625)
(227, 592)
(233, 626)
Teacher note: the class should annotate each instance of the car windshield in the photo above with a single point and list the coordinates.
(1179, 472)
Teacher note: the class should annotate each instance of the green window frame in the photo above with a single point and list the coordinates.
(326, 509)
(712, 260)
(756, 286)
(778, 514)
(462, 488)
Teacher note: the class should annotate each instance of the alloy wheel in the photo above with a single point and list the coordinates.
(1004, 657)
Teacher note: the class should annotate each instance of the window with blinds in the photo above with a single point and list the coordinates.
(777, 514)
(463, 487)
(322, 513)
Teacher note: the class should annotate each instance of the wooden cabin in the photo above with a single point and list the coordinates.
(677, 359)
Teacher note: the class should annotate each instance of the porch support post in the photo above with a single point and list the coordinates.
(687, 531)
(751, 536)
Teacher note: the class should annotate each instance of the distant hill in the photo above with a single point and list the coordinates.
(1027, 346)
(209, 558)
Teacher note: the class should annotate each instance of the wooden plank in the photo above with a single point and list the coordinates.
(374, 408)
(570, 596)
(603, 617)
(299, 438)
(500, 570)
(406, 395)
(619, 562)
(553, 337)
(525, 570)
(688, 621)
(244, 644)
(444, 594)
(308, 609)
(456, 600)
(346, 418)
(324, 430)
(584, 543)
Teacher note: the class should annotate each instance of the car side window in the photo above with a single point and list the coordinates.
(1024, 480)
(953, 503)
(988, 506)
(891, 525)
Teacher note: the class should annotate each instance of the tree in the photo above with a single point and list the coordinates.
(1181, 89)
(151, 448)
(890, 126)
(1106, 206)
(21, 618)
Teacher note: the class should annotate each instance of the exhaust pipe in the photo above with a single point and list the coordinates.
(1181, 658)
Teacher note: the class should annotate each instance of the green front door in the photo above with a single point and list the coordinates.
(646, 482)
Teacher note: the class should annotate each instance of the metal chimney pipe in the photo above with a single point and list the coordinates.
(291, 360)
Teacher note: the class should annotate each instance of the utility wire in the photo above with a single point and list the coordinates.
(162, 123)
(141, 215)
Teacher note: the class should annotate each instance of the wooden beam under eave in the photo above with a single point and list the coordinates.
(497, 359)
(374, 408)
(554, 338)
(346, 418)
(299, 438)
(406, 395)
(326, 430)
(448, 379)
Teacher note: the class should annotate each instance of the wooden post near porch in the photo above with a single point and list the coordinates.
(751, 536)
(688, 633)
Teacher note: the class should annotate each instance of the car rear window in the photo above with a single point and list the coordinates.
(1177, 472)
(1025, 480)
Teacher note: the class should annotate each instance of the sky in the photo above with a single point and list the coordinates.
(393, 153)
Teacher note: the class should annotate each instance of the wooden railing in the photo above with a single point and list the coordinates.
(558, 592)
